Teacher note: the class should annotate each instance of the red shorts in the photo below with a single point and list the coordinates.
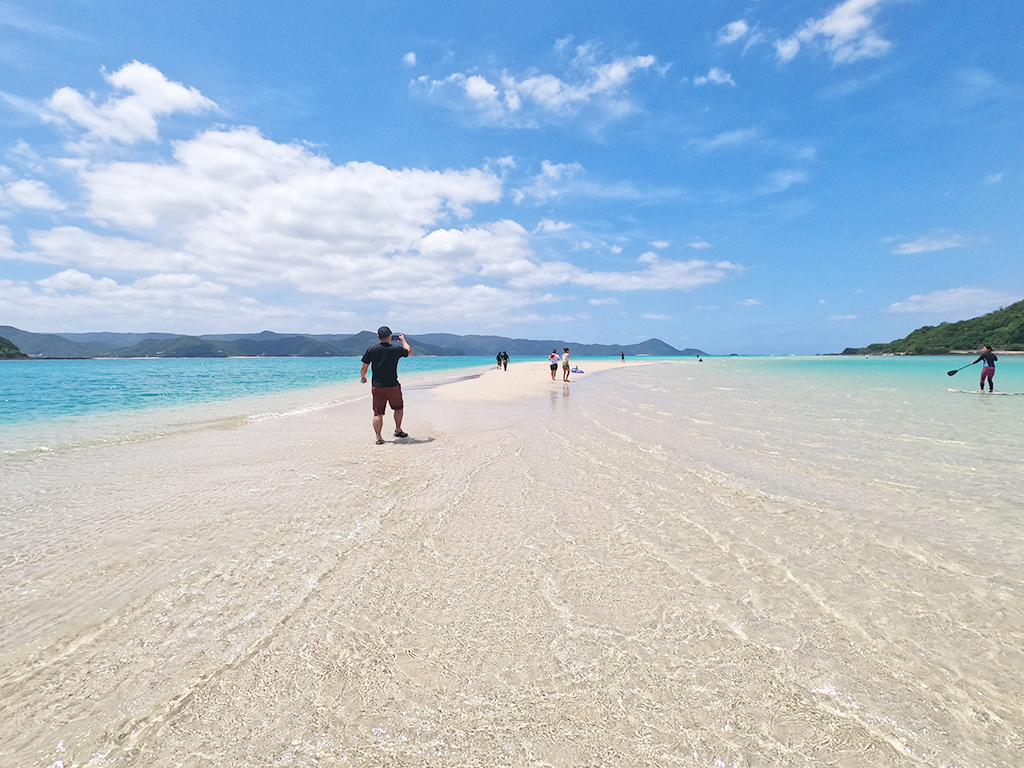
(383, 396)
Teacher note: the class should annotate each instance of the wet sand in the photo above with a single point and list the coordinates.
(542, 574)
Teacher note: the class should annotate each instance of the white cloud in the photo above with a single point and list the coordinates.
(601, 87)
(726, 139)
(786, 50)
(715, 76)
(73, 245)
(232, 215)
(843, 317)
(410, 58)
(973, 86)
(6, 243)
(847, 32)
(994, 178)
(698, 243)
(652, 316)
(126, 119)
(557, 180)
(660, 244)
(548, 225)
(662, 275)
(611, 300)
(178, 301)
(749, 303)
(930, 243)
(29, 193)
(732, 32)
(782, 180)
(958, 303)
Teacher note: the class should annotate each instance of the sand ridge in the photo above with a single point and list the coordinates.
(524, 379)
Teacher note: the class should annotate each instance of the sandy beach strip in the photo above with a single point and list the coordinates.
(541, 574)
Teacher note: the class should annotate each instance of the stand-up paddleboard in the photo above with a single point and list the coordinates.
(982, 392)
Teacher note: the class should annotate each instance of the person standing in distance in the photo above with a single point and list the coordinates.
(565, 365)
(384, 387)
(988, 371)
(553, 362)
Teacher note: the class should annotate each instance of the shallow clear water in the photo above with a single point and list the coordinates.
(742, 562)
(39, 389)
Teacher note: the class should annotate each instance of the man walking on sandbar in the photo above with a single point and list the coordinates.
(384, 387)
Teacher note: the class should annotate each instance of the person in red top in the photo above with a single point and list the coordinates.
(384, 388)
(988, 371)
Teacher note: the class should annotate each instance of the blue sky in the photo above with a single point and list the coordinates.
(748, 177)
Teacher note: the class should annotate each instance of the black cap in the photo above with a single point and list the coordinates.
(383, 332)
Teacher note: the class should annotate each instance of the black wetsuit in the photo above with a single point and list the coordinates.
(989, 371)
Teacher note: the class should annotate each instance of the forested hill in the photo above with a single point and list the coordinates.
(1002, 329)
(9, 351)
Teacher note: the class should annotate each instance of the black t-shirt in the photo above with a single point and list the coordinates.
(383, 359)
(989, 358)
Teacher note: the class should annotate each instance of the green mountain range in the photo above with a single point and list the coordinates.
(1002, 329)
(270, 344)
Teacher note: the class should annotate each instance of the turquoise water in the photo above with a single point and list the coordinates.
(55, 389)
(47, 389)
(60, 404)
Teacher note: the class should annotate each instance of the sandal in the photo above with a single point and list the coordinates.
(400, 433)
(380, 440)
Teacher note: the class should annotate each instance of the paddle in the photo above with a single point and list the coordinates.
(950, 373)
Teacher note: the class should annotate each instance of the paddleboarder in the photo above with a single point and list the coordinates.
(988, 371)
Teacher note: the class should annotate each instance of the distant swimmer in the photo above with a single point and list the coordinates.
(988, 371)
(553, 362)
(384, 387)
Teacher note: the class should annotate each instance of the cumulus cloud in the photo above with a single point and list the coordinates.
(609, 301)
(127, 118)
(180, 301)
(715, 76)
(732, 32)
(410, 58)
(73, 245)
(847, 32)
(698, 243)
(29, 193)
(957, 303)
(930, 243)
(231, 215)
(527, 100)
